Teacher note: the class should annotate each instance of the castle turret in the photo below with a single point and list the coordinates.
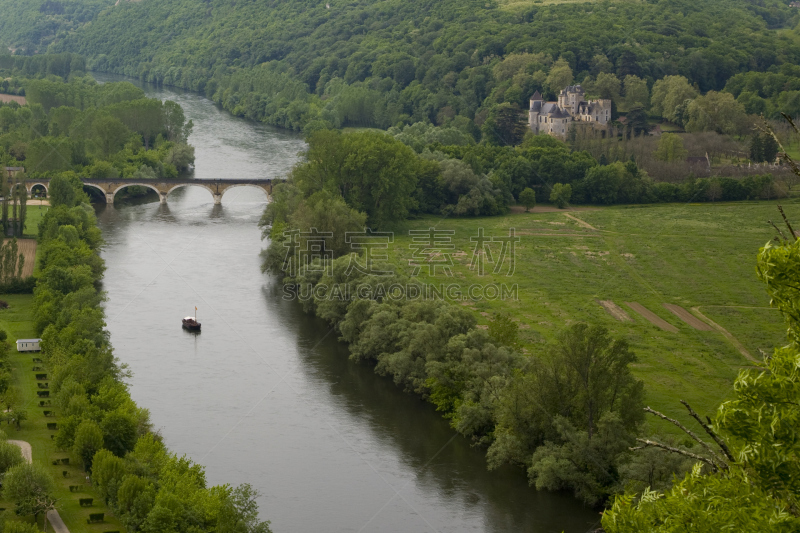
(535, 109)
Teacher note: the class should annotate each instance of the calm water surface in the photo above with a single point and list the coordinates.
(265, 394)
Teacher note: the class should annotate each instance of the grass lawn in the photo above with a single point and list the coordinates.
(33, 216)
(699, 256)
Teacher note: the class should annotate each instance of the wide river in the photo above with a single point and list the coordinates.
(266, 394)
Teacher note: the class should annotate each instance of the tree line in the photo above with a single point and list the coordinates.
(408, 172)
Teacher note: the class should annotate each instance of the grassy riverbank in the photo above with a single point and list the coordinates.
(695, 256)
(17, 321)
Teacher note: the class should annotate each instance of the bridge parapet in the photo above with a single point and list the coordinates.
(110, 187)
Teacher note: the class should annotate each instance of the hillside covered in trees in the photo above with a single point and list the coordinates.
(384, 63)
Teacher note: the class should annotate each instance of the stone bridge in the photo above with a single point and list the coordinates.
(110, 187)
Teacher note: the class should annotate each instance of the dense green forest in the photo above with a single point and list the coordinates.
(385, 63)
(82, 127)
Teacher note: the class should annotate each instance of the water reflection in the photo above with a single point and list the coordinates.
(442, 463)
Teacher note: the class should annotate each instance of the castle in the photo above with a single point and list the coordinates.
(555, 118)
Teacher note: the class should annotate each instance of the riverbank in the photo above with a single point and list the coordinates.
(17, 320)
(556, 286)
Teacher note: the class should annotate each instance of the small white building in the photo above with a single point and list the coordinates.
(28, 345)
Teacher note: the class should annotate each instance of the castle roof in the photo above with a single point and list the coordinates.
(572, 89)
(537, 96)
(557, 112)
(548, 107)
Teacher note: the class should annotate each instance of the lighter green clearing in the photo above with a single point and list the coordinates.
(519, 5)
(691, 255)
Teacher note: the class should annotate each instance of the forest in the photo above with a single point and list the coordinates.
(451, 81)
(71, 124)
(389, 63)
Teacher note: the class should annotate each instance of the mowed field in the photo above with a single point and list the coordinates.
(677, 281)
(6, 98)
(27, 247)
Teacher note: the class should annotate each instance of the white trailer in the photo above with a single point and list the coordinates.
(28, 345)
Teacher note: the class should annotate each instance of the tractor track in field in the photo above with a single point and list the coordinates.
(727, 334)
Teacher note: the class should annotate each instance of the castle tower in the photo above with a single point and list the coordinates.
(535, 109)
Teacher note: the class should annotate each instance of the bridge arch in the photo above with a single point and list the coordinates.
(125, 185)
(262, 189)
(202, 186)
(93, 186)
(42, 184)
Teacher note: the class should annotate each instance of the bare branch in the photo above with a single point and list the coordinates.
(707, 427)
(778, 230)
(786, 221)
(783, 153)
(705, 460)
(686, 430)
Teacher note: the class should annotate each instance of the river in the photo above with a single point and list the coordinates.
(265, 394)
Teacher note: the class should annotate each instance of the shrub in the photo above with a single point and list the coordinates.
(561, 194)
(528, 198)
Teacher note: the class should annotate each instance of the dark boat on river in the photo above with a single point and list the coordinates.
(191, 323)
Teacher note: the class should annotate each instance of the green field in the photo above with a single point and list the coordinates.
(690, 255)
(33, 216)
(16, 320)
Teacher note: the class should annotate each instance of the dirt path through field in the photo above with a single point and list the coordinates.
(615, 310)
(580, 222)
(689, 318)
(52, 516)
(652, 317)
(733, 340)
(25, 448)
